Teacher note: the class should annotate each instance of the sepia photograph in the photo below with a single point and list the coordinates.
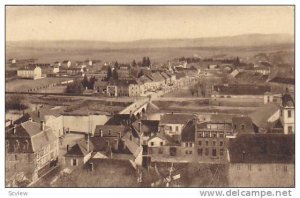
(149, 96)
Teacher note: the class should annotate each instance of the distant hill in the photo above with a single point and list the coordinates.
(251, 40)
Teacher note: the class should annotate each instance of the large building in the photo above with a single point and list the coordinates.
(31, 151)
(30, 72)
(262, 160)
(211, 140)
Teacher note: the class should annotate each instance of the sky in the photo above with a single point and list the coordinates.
(127, 23)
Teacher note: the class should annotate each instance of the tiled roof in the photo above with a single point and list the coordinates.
(148, 126)
(283, 80)
(175, 118)
(262, 148)
(110, 130)
(188, 132)
(287, 100)
(239, 89)
(242, 124)
(262, 114)
(80, 149)
(119, 119)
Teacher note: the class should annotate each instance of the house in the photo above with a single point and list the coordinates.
(146, 129)
(188, 138)
(100, 86)
(262, 70)
(130, 88)
(124, 72)
(146, 82)
(242, 125)
(211, 140)
(52, 118)
(272, 97)
(78, 154)
(287, 113)
(240, 90)
(31, 150)
(30, 72)
(262, 160)
(172, 124)
(66, 64)
(88, 63)
(157, 81)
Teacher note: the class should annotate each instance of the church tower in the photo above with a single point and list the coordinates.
(287, 113)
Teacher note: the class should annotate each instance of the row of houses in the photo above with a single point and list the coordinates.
(150, 82)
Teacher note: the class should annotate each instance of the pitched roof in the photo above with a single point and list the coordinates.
(110, 130)
(188, 132)
(242, 124)
(262, 148)
(287, 100)
(176, 118)
(262, 114)
(39, 138)
(283, 80)
(80, 149)
(119, 119)
(148, 126)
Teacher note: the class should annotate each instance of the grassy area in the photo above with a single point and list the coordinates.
(20, 85)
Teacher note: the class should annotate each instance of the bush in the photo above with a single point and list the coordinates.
(15, 102)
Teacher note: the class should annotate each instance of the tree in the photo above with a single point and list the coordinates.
(15, 102)
(75, 88)
(109, 73)
(144, 62)
(141, 73)
(148, 63)
(92, 82)
(115, 75)
(116, 64)
(85, 81)
(134, 63)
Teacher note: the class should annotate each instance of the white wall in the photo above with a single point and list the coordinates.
(261, 175)
(83, 123)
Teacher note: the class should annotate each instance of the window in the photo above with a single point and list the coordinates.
(200, 143)
(200, 135)
(206, 143)
(200, 152)
(206, 134)
(243, 127)
(221, 152)
(206, 151)
(235, 126)
(161, 143)
(221, 143)
(214, 143)
(186, 152)
(284, 168)
(191, 144)
(152, 143)
(214, 135)
(16, 157)
(190, 152)
(177, 129)
(214, 152)
(290, 129)
(74, 162)
(221, 135)
(186, 144)
(289, 113)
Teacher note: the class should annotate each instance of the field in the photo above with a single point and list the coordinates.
(20, 85)
(157, 55)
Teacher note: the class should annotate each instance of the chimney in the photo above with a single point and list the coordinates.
(39, 114)
(15, 128)
(67, 147)
(42, 125)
